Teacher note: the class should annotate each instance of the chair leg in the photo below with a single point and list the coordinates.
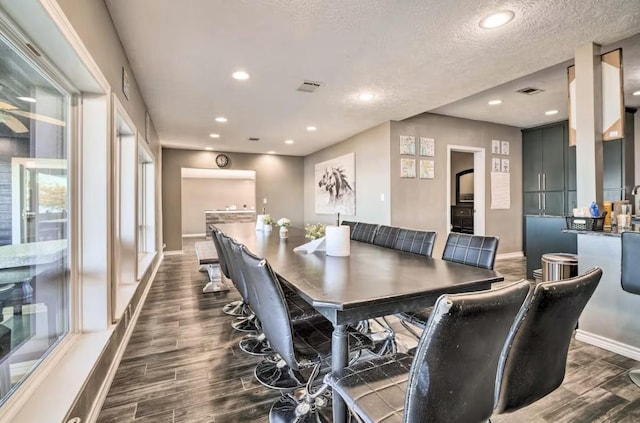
(256, 345)
(410, 329)
(276, 374)
(387, 344)
(304, 409)
(233, 309)
(634, 375)
(245, 324)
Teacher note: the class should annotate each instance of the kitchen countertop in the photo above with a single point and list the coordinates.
(606, 232)
(230, 211)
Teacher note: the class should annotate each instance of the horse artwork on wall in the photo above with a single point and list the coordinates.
(335, 186)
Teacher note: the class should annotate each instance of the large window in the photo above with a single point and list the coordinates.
(34, 216)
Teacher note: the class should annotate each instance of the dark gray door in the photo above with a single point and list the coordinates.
(532, 203)
(532, 160)
(553, 203)
(553, 158)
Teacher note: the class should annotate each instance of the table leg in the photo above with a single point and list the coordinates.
(339, 360)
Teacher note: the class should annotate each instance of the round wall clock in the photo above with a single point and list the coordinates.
(222, 160)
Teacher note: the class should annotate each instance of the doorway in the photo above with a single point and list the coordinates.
(465, 189)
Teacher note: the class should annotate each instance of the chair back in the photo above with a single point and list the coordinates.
(269, 304)
(417, 242)
(364, 232)
(350, 224)
(215, 233)
(534, 359)
(473, 250)
(386, 236)
(630, 277)
(232, 265)
(454, 370)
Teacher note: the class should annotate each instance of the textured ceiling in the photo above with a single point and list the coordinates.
(415, 55)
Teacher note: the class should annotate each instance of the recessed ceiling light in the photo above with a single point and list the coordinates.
(288, 142)
(271, 152)
(365, 97)
(551, 112)
(494, 102)
(221, 119)
(311, 128)
(240, 75)
(209, 148)
(214, 135)
(636, 93)
(496, 19)
(27, 99)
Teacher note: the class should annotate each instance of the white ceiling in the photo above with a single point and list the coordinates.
(415, 55)
(526, 111)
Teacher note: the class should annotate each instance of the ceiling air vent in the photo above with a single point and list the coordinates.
(254, 139)
(530, 91)
(309, 86)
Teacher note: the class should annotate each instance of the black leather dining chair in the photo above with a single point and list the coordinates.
(452, 376)
(234, 308)
(301, 346)
(386, 236)
(416, 242)
(471, 250)
(534, 359)
(350, 224)
(630, 276)
(364, 232)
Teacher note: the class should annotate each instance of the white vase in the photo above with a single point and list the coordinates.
(284, 232)
(267, 228)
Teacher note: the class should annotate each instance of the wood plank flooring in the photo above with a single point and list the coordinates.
(182, 364)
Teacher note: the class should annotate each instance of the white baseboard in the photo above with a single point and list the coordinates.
(194, 235)
(174, 253)
(608, 344)
(517, 254)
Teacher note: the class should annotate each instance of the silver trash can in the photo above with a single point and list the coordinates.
(537, 275)
(559, 266)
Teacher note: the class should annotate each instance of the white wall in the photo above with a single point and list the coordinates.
(200, 194)
(371, 149)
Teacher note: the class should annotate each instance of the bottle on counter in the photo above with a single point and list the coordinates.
(595, 212)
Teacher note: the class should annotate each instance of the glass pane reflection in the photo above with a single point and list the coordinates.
(34, 204)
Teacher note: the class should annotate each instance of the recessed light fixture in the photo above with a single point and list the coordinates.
(240, 75)
(209, 148)
(288, 142)
(636, 93)
(214, 135)
(365, 97)
(497, 19)
(494, 102)
(271, 152)
(27, 99)
(221, 119)
(311, 128)
(551, 112)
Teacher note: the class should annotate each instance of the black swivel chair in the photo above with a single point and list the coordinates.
(386, 236)
(472, 250)
(534, 358)
(364, 232)
(452, 376)
(416, 242)
(350, 224)
(302, 346)
(630, 276)
(234, 308)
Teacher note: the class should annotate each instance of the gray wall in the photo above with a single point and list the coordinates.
(279, 179)
(371, 149)
(200, 194)
(421, 203)
(459, 161)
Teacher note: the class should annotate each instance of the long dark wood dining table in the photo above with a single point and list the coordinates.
(373, 281)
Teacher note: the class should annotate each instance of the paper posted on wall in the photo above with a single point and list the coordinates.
(500, 190)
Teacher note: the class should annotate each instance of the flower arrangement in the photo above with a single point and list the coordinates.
(314, 231)
(283, 222)
(268, 220)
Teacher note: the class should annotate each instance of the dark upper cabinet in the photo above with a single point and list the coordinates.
(531, 160)
(553, 146)
(543, 169)
(612, 161)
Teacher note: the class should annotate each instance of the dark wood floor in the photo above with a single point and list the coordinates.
(182, 364)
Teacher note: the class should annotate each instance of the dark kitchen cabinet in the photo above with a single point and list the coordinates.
(543, 169)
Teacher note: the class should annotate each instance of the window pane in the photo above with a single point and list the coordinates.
(34, 220)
